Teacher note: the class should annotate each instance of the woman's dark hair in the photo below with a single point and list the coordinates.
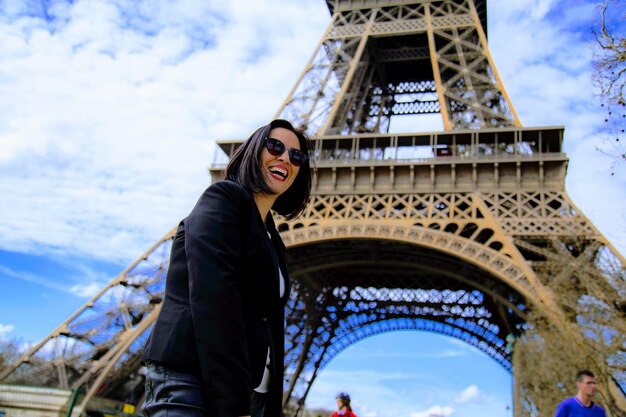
(345, 400)
(244, 168)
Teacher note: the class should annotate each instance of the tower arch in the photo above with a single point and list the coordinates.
(348, 288)
(499, 264)
(480, 207)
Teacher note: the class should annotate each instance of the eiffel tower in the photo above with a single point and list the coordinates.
(443, 231)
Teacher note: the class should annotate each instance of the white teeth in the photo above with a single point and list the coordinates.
(279, 171)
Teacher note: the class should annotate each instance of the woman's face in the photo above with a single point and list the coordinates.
(278, 170)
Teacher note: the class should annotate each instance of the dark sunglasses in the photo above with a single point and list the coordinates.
(277, 148)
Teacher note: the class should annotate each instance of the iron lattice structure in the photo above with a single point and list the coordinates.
(379, 59)
(447, 232)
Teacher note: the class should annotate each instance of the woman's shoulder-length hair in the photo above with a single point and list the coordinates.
(244, 168)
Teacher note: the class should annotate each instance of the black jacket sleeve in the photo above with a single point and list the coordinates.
(214, 232)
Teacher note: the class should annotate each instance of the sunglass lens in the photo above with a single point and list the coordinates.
(275, 147)
(296, 157)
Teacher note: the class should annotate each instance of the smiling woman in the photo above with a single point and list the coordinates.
(120, 146)
(217, 346)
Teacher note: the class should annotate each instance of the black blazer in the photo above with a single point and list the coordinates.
(222, 310)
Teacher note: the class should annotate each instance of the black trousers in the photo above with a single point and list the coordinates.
(176, 394)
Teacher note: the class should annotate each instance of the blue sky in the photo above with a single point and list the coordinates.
(108, 111)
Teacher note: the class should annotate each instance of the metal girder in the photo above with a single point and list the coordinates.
(455, 232)
(383, 45)
(97, 348)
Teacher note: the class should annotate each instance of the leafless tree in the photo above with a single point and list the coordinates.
(9, 352)
(590, 287)
(609, 75)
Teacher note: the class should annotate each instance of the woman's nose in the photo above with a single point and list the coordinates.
(282, 156)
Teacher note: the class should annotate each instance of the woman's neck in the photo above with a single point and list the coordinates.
(264, 203)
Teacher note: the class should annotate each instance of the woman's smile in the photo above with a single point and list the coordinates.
(279, 171)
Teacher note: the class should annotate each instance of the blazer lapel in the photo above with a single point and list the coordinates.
(270, 249)
(278, 256)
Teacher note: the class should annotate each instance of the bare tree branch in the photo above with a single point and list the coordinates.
(591, 287)
(609, 76)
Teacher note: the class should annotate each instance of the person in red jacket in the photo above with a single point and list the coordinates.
(343, 406)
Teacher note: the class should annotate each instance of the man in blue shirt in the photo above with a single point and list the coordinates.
(582, 404)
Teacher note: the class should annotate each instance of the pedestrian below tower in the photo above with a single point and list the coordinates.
(582, 405)
(344, 409)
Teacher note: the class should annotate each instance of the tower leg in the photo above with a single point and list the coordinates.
(517, 409)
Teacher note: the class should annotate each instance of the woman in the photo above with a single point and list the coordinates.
(343, 406)
(217, 346)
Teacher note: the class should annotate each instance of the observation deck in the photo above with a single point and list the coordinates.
(344, 5)
(499, 159)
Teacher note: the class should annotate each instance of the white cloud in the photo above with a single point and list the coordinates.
(107, 120)
(88, 290)
(544, 59)
(373, 376)
(369, 390)
(5, 329)
(95, 280)
(434, 411)
(468, 394)
(461, 348)
(107, 134)
(106, 137)
(34, 278)
(464, 348)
